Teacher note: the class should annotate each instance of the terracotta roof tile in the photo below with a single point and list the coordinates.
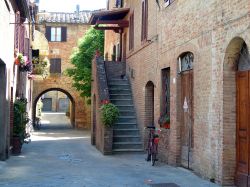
(64, 17)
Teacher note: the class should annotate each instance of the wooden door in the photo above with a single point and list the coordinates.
(47, 105)
(187, 119)
(242, 131)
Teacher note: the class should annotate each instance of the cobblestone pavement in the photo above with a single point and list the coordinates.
(61, 156)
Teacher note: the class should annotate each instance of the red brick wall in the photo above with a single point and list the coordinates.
(63, 50)
(204, 28)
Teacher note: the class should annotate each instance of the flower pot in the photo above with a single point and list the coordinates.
(17, 61)
(166, 125)
(16, 145)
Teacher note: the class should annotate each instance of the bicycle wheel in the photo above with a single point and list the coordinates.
(153, 154)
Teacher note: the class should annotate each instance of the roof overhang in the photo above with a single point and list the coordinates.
(23, 8)
(110, 19)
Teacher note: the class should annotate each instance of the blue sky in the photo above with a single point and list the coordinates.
(70, 5)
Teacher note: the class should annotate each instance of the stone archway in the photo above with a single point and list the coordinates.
(229, 110)
(72, 108)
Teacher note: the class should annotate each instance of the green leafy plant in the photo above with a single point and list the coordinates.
(20, 119)
(20, 58)
(109, 114)
(164, 119)
(81, 59)
(41, 67)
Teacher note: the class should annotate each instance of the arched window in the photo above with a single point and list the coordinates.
(186, 62)
(244, 59)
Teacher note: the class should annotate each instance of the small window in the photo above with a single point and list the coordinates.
(119, 3)
(55, 65)
(168, 2)
(56, 34)
(186, 62)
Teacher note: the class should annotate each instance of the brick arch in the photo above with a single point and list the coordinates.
(72, 100)
(149, 104)
(229, 110)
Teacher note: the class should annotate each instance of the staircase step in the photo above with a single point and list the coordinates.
(127, 119)
(124, 125)
(127, 131)
(119, 86)
(127, 150)
(118, 81)
(127, 145)
(122, 101)
(127, 113)
(127, 138)
(120, 96)
(117, 91)
(125, 107)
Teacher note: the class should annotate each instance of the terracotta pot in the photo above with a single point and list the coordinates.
(166, 125)
(17, 146)
(17, 61)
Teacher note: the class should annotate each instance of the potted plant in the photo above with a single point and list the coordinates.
(109, 114)
(19, 59)
(19, 125)
(164, 121)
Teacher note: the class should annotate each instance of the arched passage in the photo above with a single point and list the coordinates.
(72, 108)
(236, 128)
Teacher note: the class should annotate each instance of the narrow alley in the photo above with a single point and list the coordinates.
(61, 156)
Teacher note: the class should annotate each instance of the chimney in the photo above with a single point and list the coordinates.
(77, 11)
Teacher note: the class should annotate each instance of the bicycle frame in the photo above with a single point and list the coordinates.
(152, 145)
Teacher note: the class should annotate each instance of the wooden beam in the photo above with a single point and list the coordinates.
(121, 23)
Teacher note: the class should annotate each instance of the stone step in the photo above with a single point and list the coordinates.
(119, 86)
(127, 113)
(126, 138)
(118, 132)
(126, 119)
(120, 96)
(125, 125)
(127, 150)
(119, 91)
(125, 107)
(122, 101)
(127, 145)
(117, 81)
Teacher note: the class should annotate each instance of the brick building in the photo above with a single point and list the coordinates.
(186, 59)
(62, 32)
(15, 36)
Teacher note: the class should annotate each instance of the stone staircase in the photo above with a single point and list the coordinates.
(126, 136)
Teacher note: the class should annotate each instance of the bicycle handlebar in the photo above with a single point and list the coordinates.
(150, 127)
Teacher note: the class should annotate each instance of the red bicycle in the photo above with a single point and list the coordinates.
(152, 149)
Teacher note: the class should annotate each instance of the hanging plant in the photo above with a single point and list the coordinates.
(20, 59)
(41, 67)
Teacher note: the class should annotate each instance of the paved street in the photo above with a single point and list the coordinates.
(61, 156)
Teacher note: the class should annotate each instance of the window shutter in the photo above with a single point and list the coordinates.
(58, 65)
(48, 33)
(55, 65)
(64, 34)
(142, 21)
(26, 46)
